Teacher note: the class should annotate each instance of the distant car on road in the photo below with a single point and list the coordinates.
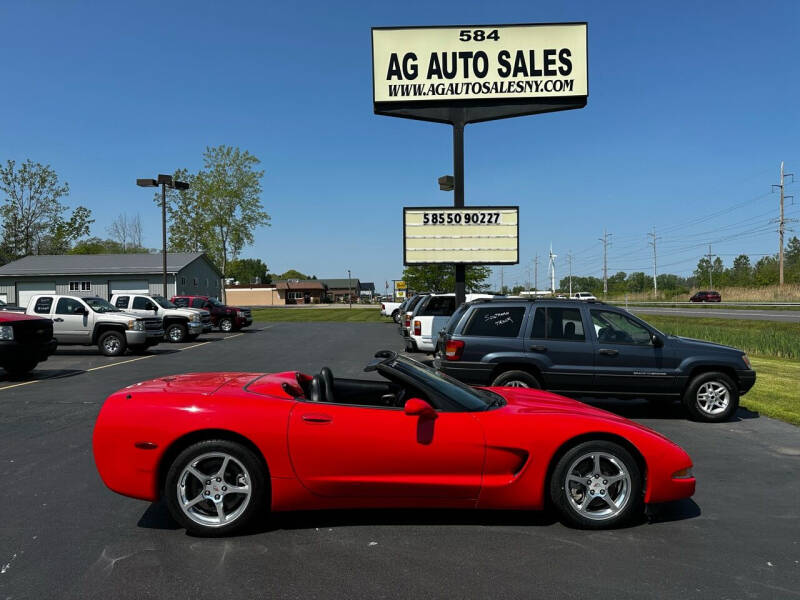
(583, 296)
(590, 349)
(706, 296)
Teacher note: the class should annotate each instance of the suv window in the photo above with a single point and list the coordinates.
(122, 301)
(43, 305)
(612, 327)
(451, 324)
(557, 323)
(198, 303)
(438, 306)
(495, 321)
(68, 306)
(180, 302)
(142, 303)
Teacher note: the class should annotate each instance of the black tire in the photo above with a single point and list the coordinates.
(569, 491)
(517, 379)
(396, 316)
(18, 368)
(112, 343)
(179, 483)
(226, 325)
(176, 333)
(711, 397)
(411, 346)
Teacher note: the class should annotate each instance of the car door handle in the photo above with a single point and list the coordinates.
(608, 352)
(539, 348)
(317, 418)
(58, 320)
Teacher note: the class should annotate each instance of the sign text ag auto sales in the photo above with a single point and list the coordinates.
(428, 64)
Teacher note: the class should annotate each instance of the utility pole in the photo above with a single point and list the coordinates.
(604, 239)
(781, 223)
(652, 242)
(569, 260)
(536, 273)
(709, 256)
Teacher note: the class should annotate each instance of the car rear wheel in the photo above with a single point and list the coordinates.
(176, 332)
(112, 343)
(396, 316)
(517, 379)
(226, 325)
(711, 397)
(216, 487)
(596, 485)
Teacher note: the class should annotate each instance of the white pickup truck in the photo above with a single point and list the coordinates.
(180, 324)
(79, 320)
(392, 309)
(431, 315)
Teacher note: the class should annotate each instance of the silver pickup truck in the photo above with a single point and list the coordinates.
(180, 324)
(87, 321)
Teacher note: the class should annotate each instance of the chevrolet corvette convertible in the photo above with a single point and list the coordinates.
(223, 449)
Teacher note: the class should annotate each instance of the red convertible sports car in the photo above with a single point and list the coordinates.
(225, 448)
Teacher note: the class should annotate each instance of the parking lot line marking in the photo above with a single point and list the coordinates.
(122, 362)
(19, 384)
(233, 336)
(195, 346)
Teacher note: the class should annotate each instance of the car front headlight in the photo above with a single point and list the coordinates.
(195, 318)
(6, 332)
(136, 325)
(240, 314)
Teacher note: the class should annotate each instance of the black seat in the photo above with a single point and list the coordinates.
(569, 330)
(315, 390)
(327, 383)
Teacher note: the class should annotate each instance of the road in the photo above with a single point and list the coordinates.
(784, 316)
(64, 535)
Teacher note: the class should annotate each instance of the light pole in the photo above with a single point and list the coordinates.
(164, 181)
(349, 289)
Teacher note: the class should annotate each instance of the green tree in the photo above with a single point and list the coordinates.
(639, 282)
(96, 245)
(742, 271)
(701, 273)
(293, 274)
(249, 270)
(34, 219)
(222, 208)
(442, 278)
(766, 271)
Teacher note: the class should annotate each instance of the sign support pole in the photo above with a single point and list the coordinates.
(458, 197)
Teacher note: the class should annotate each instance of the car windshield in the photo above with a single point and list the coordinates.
(99, 305)
(470, 398)
(215, 302)
(163, 302)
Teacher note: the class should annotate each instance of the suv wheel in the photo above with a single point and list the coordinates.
(517, 379)
(226, 325)
(711, 397)
(396, 316)
(176, 332)
(112, 343)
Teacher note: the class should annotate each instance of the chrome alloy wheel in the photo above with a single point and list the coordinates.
(713, 397)
(214, 489)
(516, 383)
(226, 325)
(112, 344)
(175, 333)
(598, 486)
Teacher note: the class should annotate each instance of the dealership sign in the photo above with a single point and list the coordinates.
(525, 68)
(474, 235)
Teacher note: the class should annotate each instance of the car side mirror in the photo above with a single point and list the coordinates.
(657, 341)
(416, 407)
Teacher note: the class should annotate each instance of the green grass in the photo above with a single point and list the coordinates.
(759, 338)
(777, 390)
(710, 307)
(369, 314)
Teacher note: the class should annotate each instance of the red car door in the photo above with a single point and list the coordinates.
(357, 451)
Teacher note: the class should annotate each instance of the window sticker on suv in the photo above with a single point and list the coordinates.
(495, 321)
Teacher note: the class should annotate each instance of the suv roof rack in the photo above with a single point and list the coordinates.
(507, 299)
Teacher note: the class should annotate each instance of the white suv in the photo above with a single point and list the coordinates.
(431, 315)
(583, 296)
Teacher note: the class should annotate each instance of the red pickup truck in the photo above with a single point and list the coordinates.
(227, 318)
(25, 341)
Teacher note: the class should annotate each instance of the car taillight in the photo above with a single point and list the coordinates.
(453, 349)
(407, 322)
(383, 307)
(417, 328)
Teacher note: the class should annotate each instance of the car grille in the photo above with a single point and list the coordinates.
(33, 332)
(153, 324)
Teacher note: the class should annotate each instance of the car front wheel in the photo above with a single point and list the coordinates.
(711, 397)
(517, 379)
(176, 332)
(216, 487)
(112, 343)
(596, 485)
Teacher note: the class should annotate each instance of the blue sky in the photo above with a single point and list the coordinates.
(692, 107)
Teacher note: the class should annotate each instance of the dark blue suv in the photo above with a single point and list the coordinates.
(589, 349)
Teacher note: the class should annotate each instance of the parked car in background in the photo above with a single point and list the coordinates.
(92, 320)
(583, 349)
(180, 324)
(391, 309)
(583, 296)
(430, 316)
(11, 307)
(706, 296)
(408, 311)
(227, 318)
(25, 341)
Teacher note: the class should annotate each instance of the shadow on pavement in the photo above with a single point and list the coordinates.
(157, 517)
(679, 510)
(42, 374)
(644, 409)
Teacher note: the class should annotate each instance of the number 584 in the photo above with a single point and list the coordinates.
(478, 35)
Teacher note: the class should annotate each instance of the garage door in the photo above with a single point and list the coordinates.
(26, 290)
(128, 286)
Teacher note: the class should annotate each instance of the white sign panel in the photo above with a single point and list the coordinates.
(474, 235)
(479, 62)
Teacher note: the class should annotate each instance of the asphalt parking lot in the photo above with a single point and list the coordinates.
(64, 535)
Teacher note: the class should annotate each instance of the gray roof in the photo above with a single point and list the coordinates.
(99, 264)
(341, 284)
